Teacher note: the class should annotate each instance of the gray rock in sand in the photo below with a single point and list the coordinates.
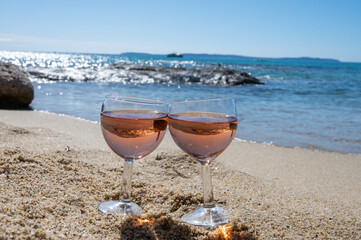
(16, 90)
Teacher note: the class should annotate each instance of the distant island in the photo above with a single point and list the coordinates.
(225, 56)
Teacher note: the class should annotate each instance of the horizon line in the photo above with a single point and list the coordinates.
(186, 53)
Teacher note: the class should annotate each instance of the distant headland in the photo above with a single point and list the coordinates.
(206, 55)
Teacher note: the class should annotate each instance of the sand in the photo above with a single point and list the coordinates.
(54, 170)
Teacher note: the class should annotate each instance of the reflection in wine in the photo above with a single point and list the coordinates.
(202, 135)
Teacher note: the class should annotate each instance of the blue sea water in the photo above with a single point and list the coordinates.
(306, 103)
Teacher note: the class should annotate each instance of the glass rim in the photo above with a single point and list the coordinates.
(199, 100)
(132, 99)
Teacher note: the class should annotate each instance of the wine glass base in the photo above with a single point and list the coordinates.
(207, 216)
(119, 207)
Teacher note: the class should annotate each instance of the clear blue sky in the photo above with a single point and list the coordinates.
(261, 28)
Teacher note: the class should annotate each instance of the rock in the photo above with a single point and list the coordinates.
(52, 77)
(171, 75)
(143, 74)
(16, 90)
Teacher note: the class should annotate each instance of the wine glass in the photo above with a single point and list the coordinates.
(133, 128)
(204, 129)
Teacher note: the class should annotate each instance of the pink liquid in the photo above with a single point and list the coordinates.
(202, 135)
(133, 133)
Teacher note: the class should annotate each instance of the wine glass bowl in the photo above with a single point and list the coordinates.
(203, 135)
(204, 129)
(133, 133)
(133, 128)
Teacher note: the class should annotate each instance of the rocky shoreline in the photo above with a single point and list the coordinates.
(16, 89)
(143, 74)
(209, 76)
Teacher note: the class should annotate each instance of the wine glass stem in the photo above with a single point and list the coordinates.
(126, 180)
(207, 186)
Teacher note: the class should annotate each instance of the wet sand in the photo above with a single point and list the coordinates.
(54, 170)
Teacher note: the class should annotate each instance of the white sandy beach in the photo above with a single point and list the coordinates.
(276, 192)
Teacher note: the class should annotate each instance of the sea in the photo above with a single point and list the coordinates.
(304, 102)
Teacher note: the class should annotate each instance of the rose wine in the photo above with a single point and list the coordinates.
(202, 135)
(133, 133)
